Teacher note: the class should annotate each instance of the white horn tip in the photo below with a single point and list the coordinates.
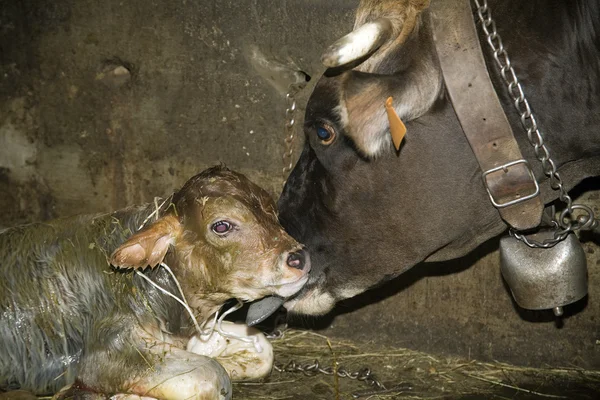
(358, 43)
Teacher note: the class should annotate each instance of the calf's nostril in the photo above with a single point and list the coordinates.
(296, 260)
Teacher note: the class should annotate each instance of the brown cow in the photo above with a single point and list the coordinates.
(72, 312)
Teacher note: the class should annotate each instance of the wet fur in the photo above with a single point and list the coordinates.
(60, 299)
(66, 314)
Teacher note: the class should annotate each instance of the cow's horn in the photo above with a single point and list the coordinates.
(358, 43)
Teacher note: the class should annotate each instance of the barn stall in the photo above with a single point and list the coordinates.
(104, 105)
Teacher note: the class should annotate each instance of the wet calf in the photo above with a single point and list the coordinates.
(74, 308)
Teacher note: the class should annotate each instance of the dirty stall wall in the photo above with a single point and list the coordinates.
(106, 104)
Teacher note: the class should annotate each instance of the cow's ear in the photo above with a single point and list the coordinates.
(393, 55)
(149, 246)
(363, 105)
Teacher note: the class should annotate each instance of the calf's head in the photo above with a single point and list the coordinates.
(221, 237)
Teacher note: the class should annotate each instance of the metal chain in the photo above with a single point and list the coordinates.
(567, 222)
(314, 368)
(289, 131)
(362, 375)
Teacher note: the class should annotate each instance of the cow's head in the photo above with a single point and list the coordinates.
(366, 212)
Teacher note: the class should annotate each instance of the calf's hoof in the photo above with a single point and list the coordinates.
(242, 360)
(183, 375)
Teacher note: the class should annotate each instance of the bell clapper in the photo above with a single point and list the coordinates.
(558, 311)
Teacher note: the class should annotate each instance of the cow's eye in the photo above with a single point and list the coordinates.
(221, 227)
(326, 134)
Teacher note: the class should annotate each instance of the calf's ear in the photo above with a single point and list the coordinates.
(149, 246)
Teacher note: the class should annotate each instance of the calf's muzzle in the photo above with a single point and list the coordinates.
(299, 260)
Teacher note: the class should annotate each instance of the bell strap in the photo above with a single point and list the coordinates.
(507, 177)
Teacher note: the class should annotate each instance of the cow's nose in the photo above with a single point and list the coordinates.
(297, 259)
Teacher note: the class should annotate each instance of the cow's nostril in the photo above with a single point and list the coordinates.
(296, 260)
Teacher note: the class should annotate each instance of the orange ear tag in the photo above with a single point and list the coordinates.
(397, 128)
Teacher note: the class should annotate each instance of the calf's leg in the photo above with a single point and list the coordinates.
(241, 359)
(154, 369)
(183, 375)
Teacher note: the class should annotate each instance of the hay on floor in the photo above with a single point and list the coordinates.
(407, 374)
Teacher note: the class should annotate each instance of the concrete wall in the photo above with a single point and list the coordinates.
(106, 104)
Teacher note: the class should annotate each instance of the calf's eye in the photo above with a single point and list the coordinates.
(221, 227)
(326, 134)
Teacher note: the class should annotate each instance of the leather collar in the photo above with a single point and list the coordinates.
(507, 177)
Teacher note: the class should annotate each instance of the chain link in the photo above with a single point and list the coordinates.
(567, 222)
(364, 374)
(314, 368)
(311, 369)
(289, 131)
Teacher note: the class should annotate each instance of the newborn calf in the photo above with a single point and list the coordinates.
(74, 309)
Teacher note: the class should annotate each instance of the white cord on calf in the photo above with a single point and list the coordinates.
(155, 212)
(209, 331)
(165, 266)
(245, 339)
(184, 304)
(217, 321)
(201, 331)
